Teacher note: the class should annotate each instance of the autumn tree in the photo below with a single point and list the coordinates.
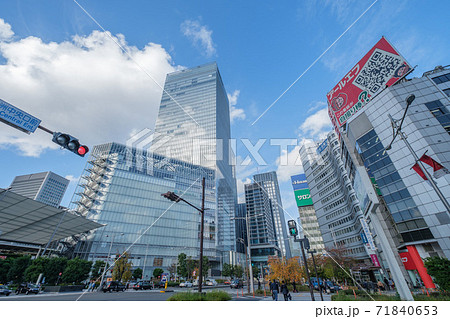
(122, 268)
(283, 269)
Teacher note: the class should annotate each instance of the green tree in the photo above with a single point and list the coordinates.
(97, 269)
(17, 270)
(76, 271)
(157, 272)
(53, 268)
(172, 269)
(228, 270)
(182, 269)
(439, 269)
(122, 268)
(191, 265)
(238, 271)
(5, 265)
(255, 271)
(137, 273)
(205, 266)
(36, 267)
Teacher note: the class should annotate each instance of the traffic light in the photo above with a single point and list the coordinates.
(71, 143)
(292, 228)
(172, 196)
(306, 243)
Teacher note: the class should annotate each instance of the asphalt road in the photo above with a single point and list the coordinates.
(149, 295)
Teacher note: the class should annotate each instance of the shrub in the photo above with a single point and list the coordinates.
(345, 297)
(216, 295)
(433, 297)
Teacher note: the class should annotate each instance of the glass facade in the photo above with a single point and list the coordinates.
(193, 125)
(269, 182)
(409, 221)
(121, 188)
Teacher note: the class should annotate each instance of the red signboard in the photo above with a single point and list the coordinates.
(382, 66)
(375, 260)
(407, 261)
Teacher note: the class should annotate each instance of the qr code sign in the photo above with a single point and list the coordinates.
(377, 71)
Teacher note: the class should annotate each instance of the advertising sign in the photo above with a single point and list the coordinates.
(322, 147)
(407, 261)
(299, 182)
(382, 66)
(370, 244)
(375, 260)
(303, 197)
(15, 117)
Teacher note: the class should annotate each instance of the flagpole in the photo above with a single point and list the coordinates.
(416, 158)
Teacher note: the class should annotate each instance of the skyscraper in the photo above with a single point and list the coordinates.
(46, 187)
(193, 125)
(269, 182)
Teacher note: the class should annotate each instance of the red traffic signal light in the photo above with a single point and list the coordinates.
(71, 143)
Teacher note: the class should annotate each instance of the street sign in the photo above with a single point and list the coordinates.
(15, 117)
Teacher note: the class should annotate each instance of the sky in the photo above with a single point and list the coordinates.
(95, 69)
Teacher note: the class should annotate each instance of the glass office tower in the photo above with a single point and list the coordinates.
(269, 182)
(121, 188)
(193, 125)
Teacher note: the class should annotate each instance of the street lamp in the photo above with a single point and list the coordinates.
(250, 269)
(397, 130)
(312, 251)
(175, 198)
(109, 256)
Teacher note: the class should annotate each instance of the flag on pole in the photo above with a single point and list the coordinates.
(438, 169)
(419, 171)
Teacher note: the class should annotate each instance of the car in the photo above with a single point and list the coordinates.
(111, 286)
(186, 284)
(143, 285)
(211, 282)
(237, 283)
(315, 284)
(227, 282)
(331, 286)
(161, 284)
(4, 290)
(27, 288)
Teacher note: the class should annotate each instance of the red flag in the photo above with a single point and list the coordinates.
(438, 169)
(418, 170)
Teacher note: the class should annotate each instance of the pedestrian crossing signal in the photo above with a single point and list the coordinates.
(292, 228)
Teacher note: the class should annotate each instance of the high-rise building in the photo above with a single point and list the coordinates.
(241, 228)
(308, 219)
(121, 188)
(46, 187)
(193, 125)
(263, 240)
(269, 182)
(413, 208)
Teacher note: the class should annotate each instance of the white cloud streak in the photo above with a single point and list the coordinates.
(235, 113)
(200, 36)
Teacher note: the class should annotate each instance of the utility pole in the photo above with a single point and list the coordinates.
(315, 270)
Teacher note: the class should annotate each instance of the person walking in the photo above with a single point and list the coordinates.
(285, 291)
(275, 290)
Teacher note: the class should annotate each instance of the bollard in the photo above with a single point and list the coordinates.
(354, 293)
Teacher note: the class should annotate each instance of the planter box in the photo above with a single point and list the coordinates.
(63, 288)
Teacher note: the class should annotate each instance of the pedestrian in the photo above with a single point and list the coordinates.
(391, 284)
(285, 291)
(275, 290)
(271, 287)
(294, 287)
(380, 285)
(386, 283)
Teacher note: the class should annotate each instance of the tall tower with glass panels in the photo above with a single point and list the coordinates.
(193, 125)
(269, 182)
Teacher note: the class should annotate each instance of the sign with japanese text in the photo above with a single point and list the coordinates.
(299, 181)
(381, 67)
(303, 197)
(15, 117)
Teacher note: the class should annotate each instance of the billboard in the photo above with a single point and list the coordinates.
(382, 66)
(15, 117)
(303, 197)
(299, 181)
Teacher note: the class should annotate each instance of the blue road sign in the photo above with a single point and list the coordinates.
(15, 117)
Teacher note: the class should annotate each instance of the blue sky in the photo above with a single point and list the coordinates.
(57, 64)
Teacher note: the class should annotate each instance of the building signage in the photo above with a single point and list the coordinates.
(303, 197)
(382, 66)
(370, 244)
(15, 117)
(407, 261)
(375, 260)
(299, 182)
(322, 147)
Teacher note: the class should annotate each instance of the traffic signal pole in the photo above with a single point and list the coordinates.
(306, 267)
(202, 225)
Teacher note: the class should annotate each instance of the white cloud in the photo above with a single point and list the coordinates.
(86, 87)
(289, 164)
(5, 30)
(317, 125)
(235, 113)
(241, 188)
(200, 35)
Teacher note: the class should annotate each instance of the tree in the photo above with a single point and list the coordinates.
(122, 268)
(53, 268)
(238, 271)
(205, 266)
(283, 269)
(191, 265)
(182, 267)
(228, 270)
(439, 269)
(172, 269)
(137, 273)
(5, 265)
(17, 270)
(255, 271)
(36, 267)
(157, 272)
(76, 271)
(98, 269)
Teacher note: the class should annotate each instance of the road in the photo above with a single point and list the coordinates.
(148, 295)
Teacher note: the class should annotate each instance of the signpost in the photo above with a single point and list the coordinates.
(15, 117)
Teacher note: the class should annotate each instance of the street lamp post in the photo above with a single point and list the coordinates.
(312, 251)
(109, 256)
(398, 131)
(174, 197)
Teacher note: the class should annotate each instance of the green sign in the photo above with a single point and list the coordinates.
(303, 197)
